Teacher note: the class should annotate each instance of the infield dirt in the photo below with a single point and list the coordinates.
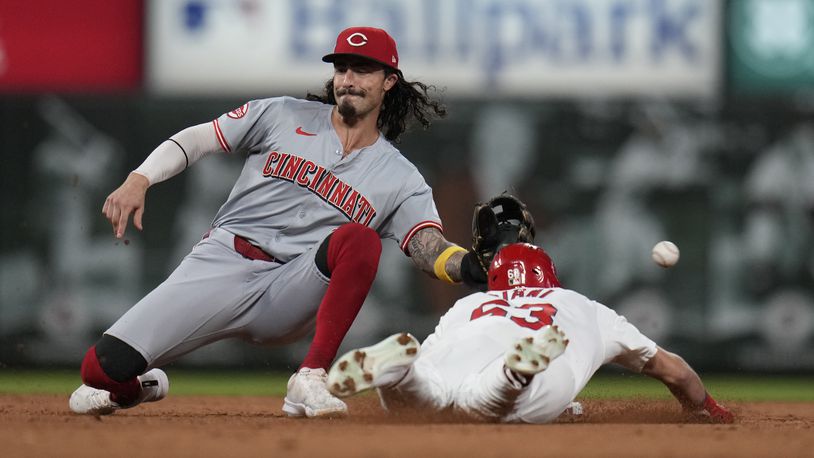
(187, 426)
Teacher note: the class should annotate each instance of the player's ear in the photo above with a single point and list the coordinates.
(390, 80)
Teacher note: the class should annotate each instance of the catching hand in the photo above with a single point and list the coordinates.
(501, 221)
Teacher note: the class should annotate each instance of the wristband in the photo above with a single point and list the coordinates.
(440, 266)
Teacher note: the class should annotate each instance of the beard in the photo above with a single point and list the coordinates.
(346, 108)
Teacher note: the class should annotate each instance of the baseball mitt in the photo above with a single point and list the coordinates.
(500, 221)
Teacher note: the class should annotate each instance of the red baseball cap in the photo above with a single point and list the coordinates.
(368, 42)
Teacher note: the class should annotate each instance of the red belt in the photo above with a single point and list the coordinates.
(245, 248)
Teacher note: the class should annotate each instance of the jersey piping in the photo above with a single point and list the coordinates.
(221, 138)
(416, 228)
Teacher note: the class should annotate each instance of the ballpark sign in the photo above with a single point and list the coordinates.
(469, 47)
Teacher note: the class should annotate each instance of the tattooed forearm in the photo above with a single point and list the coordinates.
(425, 247)
(453, 266)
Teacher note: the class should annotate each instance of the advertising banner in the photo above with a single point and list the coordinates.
(468, 47)
(81, 45)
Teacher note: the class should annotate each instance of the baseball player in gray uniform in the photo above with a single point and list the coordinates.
(296, 245)
(519, 352)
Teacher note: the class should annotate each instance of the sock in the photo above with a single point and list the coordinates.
(353, 258)
(122, 393)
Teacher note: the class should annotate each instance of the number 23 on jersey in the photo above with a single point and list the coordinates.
(533, 316)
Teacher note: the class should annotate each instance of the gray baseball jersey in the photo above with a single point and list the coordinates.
(295, 188)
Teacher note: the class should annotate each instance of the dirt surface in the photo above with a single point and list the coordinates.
(235, 426)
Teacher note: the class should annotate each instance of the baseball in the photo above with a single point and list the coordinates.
(665, 253)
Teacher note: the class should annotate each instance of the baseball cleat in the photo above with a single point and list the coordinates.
(91, 401)
(380, 365)
(532, 354)
(308, 396)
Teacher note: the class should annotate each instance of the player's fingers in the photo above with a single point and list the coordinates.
(122, 223)
(137, 218)
(105, 206)
(113, 215)
(110, 207)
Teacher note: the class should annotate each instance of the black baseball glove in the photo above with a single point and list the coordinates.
(501, 221)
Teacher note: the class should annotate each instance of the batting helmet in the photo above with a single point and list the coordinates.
(522, 264)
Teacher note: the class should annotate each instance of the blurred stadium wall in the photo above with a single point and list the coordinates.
(621, 122)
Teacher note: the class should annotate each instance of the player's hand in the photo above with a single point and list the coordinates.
(472, 272)
(713, 412)
(717, 412)
(128, 198)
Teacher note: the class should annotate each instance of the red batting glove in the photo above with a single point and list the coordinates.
(717, 412)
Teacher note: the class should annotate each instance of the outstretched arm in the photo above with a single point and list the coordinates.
(167, 160)
(442, 259)
(685, 385)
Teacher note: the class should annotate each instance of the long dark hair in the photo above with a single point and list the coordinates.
(404, 100)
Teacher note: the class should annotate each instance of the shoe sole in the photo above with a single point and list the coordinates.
(360, 370)
(532, 355)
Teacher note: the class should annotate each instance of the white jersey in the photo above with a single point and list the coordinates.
(478, 330)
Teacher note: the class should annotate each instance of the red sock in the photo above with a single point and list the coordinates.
(353, 258)
(94, 376)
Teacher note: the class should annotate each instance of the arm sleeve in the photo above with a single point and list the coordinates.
(245, 127)
(179, 152)
(416, 212)
(624, 343)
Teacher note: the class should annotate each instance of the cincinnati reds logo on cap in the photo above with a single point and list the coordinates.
(368, 42)
(357, 39)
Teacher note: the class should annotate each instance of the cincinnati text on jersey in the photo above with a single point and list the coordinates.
(290, 167)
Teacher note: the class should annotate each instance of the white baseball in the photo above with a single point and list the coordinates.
(665, 253)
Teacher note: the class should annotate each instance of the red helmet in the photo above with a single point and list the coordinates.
(522, 264)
